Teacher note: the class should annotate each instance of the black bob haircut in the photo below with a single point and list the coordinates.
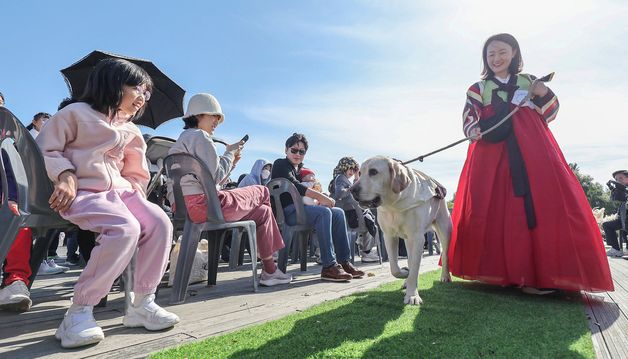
(517, 62)
(104, 88)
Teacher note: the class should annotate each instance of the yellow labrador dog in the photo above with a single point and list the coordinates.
(408, 203)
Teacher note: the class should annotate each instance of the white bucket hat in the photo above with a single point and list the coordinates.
(204, 103)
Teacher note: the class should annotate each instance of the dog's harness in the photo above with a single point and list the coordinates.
(435, 188)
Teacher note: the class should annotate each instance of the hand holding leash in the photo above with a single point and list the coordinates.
(537, 88)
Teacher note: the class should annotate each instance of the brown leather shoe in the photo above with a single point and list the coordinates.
(349, 268)
(335, 274)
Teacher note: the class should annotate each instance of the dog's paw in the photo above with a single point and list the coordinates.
(401, 273)
(413, 299)
(445, 277)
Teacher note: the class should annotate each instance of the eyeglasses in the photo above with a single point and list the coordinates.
(140, 91)
(294, 151)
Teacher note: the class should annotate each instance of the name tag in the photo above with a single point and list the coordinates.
(519, 96)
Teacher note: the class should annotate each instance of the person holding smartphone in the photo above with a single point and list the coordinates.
(202, 117)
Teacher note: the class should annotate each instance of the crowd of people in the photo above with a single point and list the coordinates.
(520, 217)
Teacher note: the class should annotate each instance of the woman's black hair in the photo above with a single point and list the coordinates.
(190, 122)
(296, 138)
(66, 101)
(516, 65)
(40, 115)
(104, 88)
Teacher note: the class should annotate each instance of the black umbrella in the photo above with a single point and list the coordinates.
(166, 99)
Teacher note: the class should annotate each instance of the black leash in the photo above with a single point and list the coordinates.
(546, 78)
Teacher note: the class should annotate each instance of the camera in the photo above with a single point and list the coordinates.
(619, 192)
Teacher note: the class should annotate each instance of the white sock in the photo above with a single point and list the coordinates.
(77, 307)
(138, 299)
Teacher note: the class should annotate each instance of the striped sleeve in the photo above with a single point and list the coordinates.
(547, 106)
(472, 109)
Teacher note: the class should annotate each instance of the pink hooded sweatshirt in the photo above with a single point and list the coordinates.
(104, 154)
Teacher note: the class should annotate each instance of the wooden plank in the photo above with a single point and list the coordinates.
(612, 323)
(599, 345)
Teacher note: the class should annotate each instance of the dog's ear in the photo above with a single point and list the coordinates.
(399, 178)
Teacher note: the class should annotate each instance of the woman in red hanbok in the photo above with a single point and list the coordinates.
(521, 217)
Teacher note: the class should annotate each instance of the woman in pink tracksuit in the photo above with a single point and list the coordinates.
(95, 156)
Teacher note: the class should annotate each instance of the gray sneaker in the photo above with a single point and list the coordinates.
(149, 315)
(52, 264)
(46, 269)
(15, 297)
(278, 277)
(79, 328)
(615, 253)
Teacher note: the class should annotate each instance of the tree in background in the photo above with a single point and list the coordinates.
(597, 195)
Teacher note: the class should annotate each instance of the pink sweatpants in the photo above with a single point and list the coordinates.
(246, 203)
(125, 221)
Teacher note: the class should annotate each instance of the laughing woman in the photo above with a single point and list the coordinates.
(96, 158)
(521, 217)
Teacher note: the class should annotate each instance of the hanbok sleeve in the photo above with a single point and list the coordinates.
(547, 106)
(472, 109)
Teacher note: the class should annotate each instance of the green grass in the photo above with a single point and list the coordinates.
(457, 320)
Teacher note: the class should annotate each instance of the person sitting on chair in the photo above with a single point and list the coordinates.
(14, 295)
(339, 186)
(260, 174)
(611, 227)
(327, 220)
(202, 117)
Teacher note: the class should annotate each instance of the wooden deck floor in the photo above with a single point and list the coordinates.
(608, 314)
(232, 305)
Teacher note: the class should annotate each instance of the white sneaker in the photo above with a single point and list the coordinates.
(79, 328)
(370, 257)
(15, 297)
(615, 253)
(278, 277)
(149, 315)
(45, 269)
(52, 264)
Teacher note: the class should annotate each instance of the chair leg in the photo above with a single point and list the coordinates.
(189, 244)
(353, 238)
(378, 243)
(303, 250)
(252, 236)
(429, 237)
(282, 260)
(382, 246)
(213, 255)
(128, 280)
(39, 251)
(234, 251)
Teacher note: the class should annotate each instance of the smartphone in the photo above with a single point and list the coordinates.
(245, 138)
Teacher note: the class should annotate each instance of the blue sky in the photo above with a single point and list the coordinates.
(359, 78)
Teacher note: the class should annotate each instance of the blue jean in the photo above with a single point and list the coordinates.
(71, 243)
(331, 230)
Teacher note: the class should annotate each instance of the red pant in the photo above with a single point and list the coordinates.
(17, 264)
(246, 203)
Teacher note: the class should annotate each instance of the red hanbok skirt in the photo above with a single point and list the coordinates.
(491, 241)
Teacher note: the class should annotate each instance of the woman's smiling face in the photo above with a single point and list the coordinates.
(499, 55)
